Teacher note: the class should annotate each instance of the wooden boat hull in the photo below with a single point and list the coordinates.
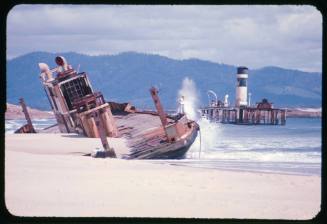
(176, 150)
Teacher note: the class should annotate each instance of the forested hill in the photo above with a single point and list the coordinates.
(127, 77)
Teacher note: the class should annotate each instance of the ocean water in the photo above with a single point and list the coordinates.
(291, 149)
(12, 125)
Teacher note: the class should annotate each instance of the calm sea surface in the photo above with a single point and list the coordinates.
(293, 149)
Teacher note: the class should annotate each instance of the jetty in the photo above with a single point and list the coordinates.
(243, 113)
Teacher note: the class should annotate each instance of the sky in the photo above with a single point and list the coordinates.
(253, 36)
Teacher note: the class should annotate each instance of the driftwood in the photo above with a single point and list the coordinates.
(27, 128)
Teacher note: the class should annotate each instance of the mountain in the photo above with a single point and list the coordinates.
(127, 77)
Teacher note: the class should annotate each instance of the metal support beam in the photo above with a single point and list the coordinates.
(27, 116)
(157, 103)
(102, 133)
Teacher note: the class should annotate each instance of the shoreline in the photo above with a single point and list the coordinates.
(52, 178)
(234, 166)
(251, 171)
(14, 112)
(303, 112)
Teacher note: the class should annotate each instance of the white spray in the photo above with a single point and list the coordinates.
(190, 99)
(210, 132)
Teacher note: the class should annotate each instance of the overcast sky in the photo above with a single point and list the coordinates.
(254, 36)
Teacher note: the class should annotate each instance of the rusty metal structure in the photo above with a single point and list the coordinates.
(92, 109)
(27, 128)
(79, 109)
(73, 101)
(243, 112)
(173, 130)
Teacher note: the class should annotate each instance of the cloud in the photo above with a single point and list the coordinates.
(256, 36)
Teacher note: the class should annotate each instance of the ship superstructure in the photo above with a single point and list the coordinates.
(74, 103)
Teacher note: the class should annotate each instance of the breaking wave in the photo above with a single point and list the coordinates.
(12, 125)
(191, 102)
(294, 147)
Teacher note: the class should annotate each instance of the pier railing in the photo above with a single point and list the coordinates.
(245, 115)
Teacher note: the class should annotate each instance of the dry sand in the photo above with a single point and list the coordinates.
(46, 175)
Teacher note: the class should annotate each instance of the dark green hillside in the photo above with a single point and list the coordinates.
(128, 77)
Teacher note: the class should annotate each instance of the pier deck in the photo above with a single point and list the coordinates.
(245, 115)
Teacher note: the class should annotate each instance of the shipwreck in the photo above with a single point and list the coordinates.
(79, 109)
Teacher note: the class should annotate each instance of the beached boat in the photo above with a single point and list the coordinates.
(79, 109)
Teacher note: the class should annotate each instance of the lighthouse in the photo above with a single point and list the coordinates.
(243, 112)
(241, 87)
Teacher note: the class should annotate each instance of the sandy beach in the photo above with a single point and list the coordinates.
(47, 175)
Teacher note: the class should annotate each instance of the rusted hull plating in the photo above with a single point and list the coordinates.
(156, 148)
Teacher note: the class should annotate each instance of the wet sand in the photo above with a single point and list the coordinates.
(47, 175)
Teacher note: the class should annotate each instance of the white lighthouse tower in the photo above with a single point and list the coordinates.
(241, 87)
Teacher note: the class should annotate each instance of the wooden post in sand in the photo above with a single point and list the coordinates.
(103, 136)
(27, 116)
